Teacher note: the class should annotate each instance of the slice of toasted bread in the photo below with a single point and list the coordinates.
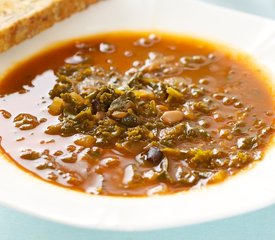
(22, 19)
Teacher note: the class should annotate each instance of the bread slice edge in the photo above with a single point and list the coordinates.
(29, 25)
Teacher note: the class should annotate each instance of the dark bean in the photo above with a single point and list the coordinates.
(131, 120)
(154, 155)
(95, 106)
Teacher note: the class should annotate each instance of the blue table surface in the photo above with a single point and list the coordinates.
(256, 225)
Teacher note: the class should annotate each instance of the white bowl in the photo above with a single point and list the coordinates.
(247, 191)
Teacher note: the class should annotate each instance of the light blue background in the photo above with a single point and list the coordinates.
(259, 225)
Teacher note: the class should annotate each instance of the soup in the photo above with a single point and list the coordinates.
(135, 114)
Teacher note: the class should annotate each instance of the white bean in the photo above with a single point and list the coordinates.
(170, 117)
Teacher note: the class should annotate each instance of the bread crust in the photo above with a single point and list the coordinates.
(22, 19)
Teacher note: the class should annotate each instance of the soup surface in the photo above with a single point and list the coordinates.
(135, 114)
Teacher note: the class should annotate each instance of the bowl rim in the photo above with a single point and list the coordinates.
(127, 214)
